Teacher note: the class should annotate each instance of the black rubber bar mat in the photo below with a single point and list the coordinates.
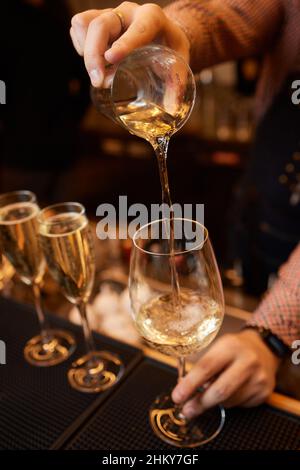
(121, 423)
(38, 408)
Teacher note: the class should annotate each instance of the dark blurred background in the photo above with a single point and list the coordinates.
(54, 143)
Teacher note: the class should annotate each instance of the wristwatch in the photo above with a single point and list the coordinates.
(274, 343)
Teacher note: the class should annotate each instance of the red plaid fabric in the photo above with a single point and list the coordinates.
(221, 30)
(280, 309)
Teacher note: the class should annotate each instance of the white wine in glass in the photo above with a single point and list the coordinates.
(184, 329)
(20, 244)
(68, 247)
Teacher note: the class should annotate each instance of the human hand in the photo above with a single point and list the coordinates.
(239, 369)
(102, 37)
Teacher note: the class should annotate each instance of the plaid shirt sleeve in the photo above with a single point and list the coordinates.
(280, 309)
(221, 30)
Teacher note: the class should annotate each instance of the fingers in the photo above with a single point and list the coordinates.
(75, 41)
(246, 375)
(212, 363)
(241, 396)
(102, 31)
(147, 21)
(79, 27)
(99, 35)
(229, 382)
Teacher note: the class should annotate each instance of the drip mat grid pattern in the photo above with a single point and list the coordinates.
(122, 422)
(38, 408)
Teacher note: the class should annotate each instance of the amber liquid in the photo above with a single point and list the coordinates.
(19, 240)
(197, 325)
(152, 123)
(69, 251)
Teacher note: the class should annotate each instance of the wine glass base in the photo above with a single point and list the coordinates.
(95, 372)
(174, 429)
(60, 346)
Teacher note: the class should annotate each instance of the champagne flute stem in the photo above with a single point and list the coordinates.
(40, 313)
(89, 341)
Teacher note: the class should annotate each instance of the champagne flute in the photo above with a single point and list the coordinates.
(20, 244)
(68, 247)
(177, 329)
(6, 271)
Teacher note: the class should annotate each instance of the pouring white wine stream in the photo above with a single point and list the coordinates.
(156, 126)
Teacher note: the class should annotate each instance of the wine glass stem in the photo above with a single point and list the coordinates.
(40, 313)
(89, 341)
(181, 373)
(181, 368)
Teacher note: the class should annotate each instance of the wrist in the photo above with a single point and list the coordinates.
(252, 336)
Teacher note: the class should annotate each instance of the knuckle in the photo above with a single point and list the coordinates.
(99, 21)
(262, 380)
(156, 13)
(232, 339)
(204, 368)
(153, 7)
(252, 360)
(221, 393)
(78, 20)
(128, 4)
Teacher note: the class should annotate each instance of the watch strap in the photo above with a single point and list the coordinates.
(274, 343)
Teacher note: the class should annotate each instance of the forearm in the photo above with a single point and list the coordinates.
(221, 30)
(280, 309)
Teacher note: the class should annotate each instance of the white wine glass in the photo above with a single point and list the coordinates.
(177, 328)
(20, 244)
(68, 247)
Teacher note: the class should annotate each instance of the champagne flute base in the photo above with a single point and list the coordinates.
(95, 372)
(44, 353)
(173, 428)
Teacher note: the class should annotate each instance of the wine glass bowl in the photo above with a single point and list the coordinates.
(177, 328)
(152, 92)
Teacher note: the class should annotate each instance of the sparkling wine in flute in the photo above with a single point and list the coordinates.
(199, 322)
(18, 229)
(69, 252)
(20, 244)
(68, 246)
